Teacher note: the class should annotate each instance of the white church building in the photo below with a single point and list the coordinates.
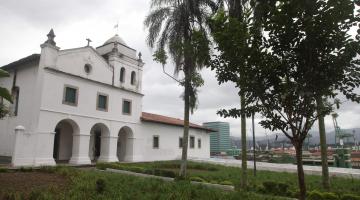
(83, 105)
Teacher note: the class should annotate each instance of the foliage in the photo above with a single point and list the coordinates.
(305, 52)
(3, 170)
(179, 28)
(4, 93)
(218, 173)
(100, 185)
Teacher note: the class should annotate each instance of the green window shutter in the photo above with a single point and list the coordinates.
(126, 107)
(102, 102)
(70, 95)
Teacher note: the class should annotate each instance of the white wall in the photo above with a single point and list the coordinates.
(169, 142)
(26, 82)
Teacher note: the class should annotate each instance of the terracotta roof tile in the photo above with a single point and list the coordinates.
(149, 117)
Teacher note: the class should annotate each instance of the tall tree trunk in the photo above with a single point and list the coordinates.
(300, 170)
(185, 147)
(323, 146)
(243, 144)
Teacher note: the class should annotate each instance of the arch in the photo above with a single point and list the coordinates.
(122, 75)
(124, 150)
(63, 140)
(133, 78)
(98, 145)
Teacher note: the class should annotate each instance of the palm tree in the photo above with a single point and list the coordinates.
(4, 93)
(179, 28)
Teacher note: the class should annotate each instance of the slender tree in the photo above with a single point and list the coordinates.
(306, 52)
(178, 28)
(236, 19)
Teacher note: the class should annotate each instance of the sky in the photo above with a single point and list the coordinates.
(24, 25)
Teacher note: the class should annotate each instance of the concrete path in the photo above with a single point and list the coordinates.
(313, 170)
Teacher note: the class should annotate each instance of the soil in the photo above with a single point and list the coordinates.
(25, 182)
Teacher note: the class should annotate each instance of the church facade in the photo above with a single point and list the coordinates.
(83, 105)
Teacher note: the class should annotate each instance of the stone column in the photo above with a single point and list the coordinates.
(44, 148)
(80, 149)
(108, 149)
(21, 156)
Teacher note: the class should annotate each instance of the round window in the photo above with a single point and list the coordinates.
(87, 68)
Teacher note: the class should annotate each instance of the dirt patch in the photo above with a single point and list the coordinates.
(25, 182)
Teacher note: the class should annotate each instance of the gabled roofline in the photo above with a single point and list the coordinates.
(91, 48)
(28, 59)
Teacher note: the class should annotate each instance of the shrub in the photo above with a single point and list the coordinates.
(315, 195)
(100, 185)
(26, 169)
(329, 196)
(162, 172)
(135, 169)
(350, 197)
(3, 170)
(148, 171)
(47, 169)
(214, 182)
(275, 188)
(12, 195)
(197, 179)
(226, 183)
(102, 166)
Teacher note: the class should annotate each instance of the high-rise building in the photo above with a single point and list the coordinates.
(219, 140)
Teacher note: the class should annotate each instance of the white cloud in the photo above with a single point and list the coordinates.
(24, 25)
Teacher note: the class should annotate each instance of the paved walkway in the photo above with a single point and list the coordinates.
(314, 170)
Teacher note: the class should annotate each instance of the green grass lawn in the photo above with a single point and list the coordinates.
(91, 184)
(266, 182)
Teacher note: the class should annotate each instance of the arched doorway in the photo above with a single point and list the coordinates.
(98, 145)
(63, 140)
(125, 144)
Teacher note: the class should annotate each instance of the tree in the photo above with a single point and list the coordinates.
(304, 54)
(224, 25)
(178, 28)
(5, 94)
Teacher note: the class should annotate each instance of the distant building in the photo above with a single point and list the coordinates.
(219, 140)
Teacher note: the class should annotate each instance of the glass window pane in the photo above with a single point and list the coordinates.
(192, 141)
(70, 95)
(156, 141)
(126, 107)
(102, 102)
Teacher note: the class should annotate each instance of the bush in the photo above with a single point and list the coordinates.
(26, 169)
(329, 196)
(3, 170)
(102, 166)
(226, 183)
(47, 169)
(350, 197)
(275, 188)
(316, 195)
(100, 185)
(135, 169)
(197, 179)
(165, 173)
(12, 195)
